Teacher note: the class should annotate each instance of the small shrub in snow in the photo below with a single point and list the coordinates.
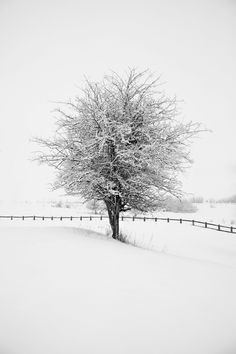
(136, 241)
(57, 204)
(123, 237)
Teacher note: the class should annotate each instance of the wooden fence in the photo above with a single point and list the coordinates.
(204, 224)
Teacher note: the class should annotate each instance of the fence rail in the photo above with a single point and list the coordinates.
(205, 224)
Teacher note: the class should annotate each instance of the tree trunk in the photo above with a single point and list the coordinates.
(113, 208)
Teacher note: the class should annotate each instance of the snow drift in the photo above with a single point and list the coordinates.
(70, 290)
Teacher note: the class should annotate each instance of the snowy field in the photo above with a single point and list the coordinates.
(67, 287)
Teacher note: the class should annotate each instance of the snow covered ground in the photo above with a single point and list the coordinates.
(67, 287)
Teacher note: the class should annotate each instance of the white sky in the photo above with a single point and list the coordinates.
(48, 46)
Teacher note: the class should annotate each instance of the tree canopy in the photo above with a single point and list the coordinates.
(119, 141)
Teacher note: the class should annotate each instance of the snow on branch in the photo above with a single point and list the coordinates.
(120, 142)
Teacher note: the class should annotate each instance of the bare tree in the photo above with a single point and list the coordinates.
(120, 142)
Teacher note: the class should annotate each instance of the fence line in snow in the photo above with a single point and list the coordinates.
(217, 227)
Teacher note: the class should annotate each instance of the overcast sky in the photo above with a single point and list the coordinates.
(48, 46)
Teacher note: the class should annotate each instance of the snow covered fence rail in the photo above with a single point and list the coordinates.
(205, 224)
(198, 223)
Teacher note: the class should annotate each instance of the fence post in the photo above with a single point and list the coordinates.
(81, 218)
(11, 217)
(218, 227)
(231, 229)
(144, 219)
(205, 224)
(23, 218)
(133, 218)
(71, 218)
(155, 219)
(90, 218)
(51, 217)
(43, 218)
(180, 220)
(168, 220)
(33, 217)
(100, 217)
(61, 218)
(192, 222)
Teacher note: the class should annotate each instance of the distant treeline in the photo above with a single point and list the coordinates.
(188, 205)
(231, 199)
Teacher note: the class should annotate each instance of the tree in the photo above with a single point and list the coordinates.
(120, 142)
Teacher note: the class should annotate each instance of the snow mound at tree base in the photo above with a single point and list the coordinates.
(69, 290)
